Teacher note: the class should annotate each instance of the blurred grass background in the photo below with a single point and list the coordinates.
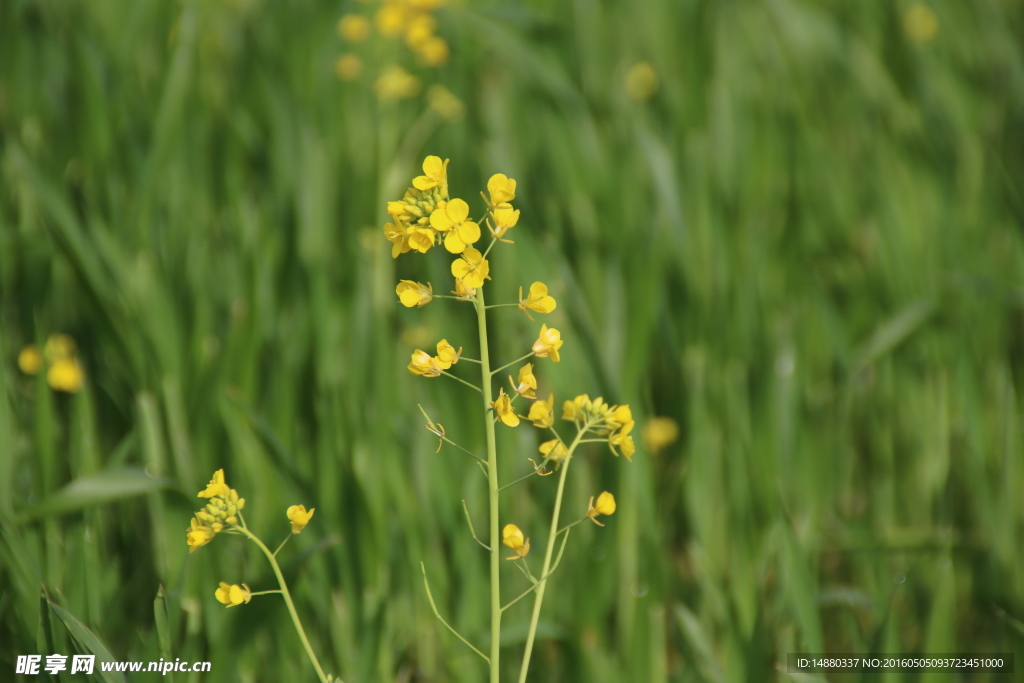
(804, 244)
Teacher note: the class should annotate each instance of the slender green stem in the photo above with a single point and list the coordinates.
(494, 240)
(506, 365)
(286, 538)
(458, 379)
(531, 474)
(543, 578)
(291, 605)
(253, 595)
(469, 360)
(492, 486)
(447, 296)
(469, 521)
(426, 584)
(438, 431)
(594, 440)
(532, 633)
(502, 305)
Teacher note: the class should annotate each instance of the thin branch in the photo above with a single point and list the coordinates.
(459, 379)
(508, 365)
(535, 472)
(472, 530)
(437, 614)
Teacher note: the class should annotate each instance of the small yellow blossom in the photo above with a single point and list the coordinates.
(641, 82)
(447, 356)
(216, 487)
(503, 407)
(419, 30)
(434, 51)
(198, 535)
(920, 23)
(452, 219)
(445, 103)
(299, 517)
(390, 20)
(527, 386)
(502, 189)
(29, 360)
(232, 595)
(397, 236)
(424, 364)
(59, 346)
(462, 290)
(414, 293)
(548, 343)
(435, 174)
(354, 28)
(421, 239)
(618, 416)
(542, 413)
(605, 505)
(396, 84)
(538, 300)
(659, 432)
(504, 220)
(554, 450)
(623, 441)
(472, 269)
(348, 67)
(65, 375)
(513, 538)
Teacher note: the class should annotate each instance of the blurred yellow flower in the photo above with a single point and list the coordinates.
(198, 535)
(445, 103)
(396, 84)
(555, 450)
(542, 413)
(354, 28)
(434, 51)
(538, 300)
(513, 538)
(618, 416)
(501, 188)
(920, 23)
(447, 356)
(641, 82)
(299, 518)
(605, 505)
(348, 67)
(216, 487)
(472, 269)
(59, 346)
(548, 343)
(390, 19)
(504, 219)
(65, 374)
(623, 441)
(659, 432)
(452, 219)
(419, 30)
(527, 382)
(504, 409)
(414, 293)
(29, 360)
(397, 236)
(435, 174)
(232, 595)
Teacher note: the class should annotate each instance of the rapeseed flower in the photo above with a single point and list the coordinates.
(641, 82)
(527, 386)
(605, 505)
(501, 188)
(348, 67)
(513, 537)
(423, 363)
(396, 84)
(233, 595)
(216, 487)
(354, 28)
(538, 299)
(29, 360)
(435, 174)
(414, 293)
(65, 374)
(452, 219)
(504, 220)
(542, 413)
(547, 344)
(659, 432)
(504, 409)
(299, 518)
(472, 269)
(554, 450)
(623, 441)
(447, 356)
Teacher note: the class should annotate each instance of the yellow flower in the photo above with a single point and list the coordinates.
(29, 360)
(447, 356)
(419, 30)
(538, 300)
(397, 236)
(504, 220)
(59, 346)
(541, 413)
(414, 293)
(354, 28)
(198, 535)
(618, 416)
(348, 67)
(641, 82)
(605, 506)
(554, 450)
(659, 432)
(65, 375)
(451, 218)
(435, 174)
(424, 364)
(445, 103)
(624, 441)
(421, 239)
(527, 382)
(434, 51)
(501, 188)
(396, 84)
(216, 487)
(548, 343)
(232, 595)
(472, 269)
(503, 407)
(513, 538)
(390, 19)
(462, 290)
(920, 23)
(299, 517)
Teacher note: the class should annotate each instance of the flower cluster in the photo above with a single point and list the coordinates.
(613, 422)
(63, 371)
(220, 513)
(432, 366)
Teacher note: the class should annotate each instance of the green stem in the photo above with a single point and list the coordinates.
(492, 486)
(291, 605)
(532, 634)
(506, 365)
(501, 305)
(253, 595)
(433, 606)
(286, 538)
(531, 474)
(457, 379)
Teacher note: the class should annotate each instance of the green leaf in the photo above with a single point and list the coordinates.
(89, 642)
(102, 488)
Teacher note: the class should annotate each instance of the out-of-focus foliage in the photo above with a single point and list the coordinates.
(795, 227)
